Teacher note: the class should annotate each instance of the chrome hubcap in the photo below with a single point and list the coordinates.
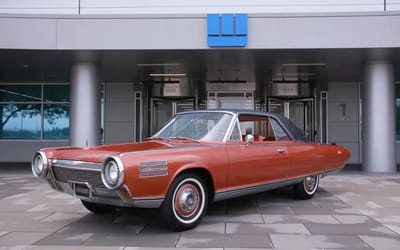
(310, 182)
(187, 200)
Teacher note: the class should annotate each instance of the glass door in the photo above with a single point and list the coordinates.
(299, 111)
(163, 109)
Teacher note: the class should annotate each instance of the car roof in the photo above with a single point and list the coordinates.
(294, 132)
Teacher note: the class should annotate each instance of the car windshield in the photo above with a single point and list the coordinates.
(206, 126)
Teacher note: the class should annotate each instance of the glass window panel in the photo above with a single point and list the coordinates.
(20, 93)
(56, 121)
(56, 93)
(20, 121)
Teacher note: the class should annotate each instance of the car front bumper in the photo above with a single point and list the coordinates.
(83, 180)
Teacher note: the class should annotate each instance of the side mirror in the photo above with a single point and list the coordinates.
(249, 139)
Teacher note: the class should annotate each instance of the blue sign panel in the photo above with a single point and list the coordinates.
(227, 30)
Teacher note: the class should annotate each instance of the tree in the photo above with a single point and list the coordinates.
(51, 113)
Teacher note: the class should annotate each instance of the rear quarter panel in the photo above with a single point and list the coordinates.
(308, 158)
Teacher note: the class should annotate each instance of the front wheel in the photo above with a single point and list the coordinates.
(186, 202)
(307, 188)
(97, 208)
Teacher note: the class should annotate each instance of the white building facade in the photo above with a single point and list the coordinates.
(88, 72)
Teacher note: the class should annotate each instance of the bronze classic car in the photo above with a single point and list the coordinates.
(196, 158)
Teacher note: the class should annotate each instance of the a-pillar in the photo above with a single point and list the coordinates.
(378, 113)
(85, 101)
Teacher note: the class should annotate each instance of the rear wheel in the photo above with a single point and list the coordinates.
(97, 208)
(186, 202)
(307, 188)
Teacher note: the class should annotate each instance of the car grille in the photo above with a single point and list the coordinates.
(67, 174)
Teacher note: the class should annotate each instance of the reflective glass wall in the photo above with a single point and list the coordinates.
(34, 112)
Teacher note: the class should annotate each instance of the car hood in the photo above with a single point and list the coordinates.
(99, 153)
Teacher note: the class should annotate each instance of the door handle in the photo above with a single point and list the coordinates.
(280, 150)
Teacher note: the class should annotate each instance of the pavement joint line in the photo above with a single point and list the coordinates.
(52, 213)
(177, 240)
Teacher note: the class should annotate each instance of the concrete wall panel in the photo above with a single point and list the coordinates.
(343, 111)
(28, 33)
(168, 33)
(324, 32)
(226, 6)
(39, 6)
(392, 5)
(341, 132)
(119, 112)
(22, 151)
(189, 32)
(344, 124)
(293, 32)
(118, 132)
(190, 7)
(119, 92)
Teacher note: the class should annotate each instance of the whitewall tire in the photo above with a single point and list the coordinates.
(186, 202)
(307, 188)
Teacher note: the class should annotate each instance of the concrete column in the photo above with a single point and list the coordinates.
(85, 104)
(378, 116)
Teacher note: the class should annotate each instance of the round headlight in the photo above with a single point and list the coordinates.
(112, 173)
(39, 164)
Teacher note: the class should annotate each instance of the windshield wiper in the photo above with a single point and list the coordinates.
(183, 138)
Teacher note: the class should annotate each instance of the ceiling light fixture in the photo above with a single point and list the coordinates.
(304, 64)
(294, 74)
(157, 64)
(168, 74)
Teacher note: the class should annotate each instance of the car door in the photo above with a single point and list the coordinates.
(255, 163)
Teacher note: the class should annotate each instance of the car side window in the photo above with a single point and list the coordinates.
(235, 136)
(280, 133)
(263, 128)
(258, 126)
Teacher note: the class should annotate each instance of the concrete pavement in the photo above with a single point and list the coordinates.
(351, 210)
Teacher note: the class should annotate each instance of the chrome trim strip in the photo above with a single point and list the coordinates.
(322, 175)
(80, 165)
(152, 169)
(254, 189)
(155, 174)
(148, 203)
(153, 163)
(197, 147)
